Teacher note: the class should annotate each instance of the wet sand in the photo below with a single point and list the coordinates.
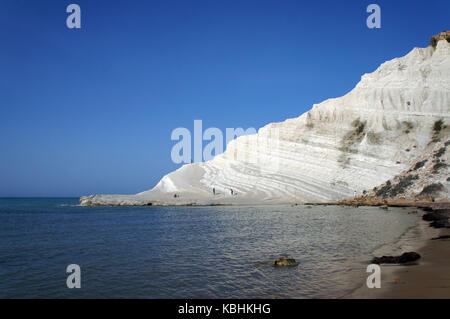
(428, 279)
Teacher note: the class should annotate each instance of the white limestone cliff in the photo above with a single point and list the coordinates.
(354, 142)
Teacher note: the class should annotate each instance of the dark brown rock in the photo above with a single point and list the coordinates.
(404, 258)
(441, 237)
(284, 262)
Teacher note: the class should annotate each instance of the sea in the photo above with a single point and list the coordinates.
(190, 252)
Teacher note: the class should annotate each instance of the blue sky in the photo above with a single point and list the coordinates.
(91, 110)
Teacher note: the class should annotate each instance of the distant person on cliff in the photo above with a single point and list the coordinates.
(354, 194)
(231, 190)
(214, 191)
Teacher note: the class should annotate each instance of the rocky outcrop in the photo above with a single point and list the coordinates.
(440, 218)
(379, 130)
(284, 262)
(441, 237)
(426, 178)
(404, 258)
(444, 35)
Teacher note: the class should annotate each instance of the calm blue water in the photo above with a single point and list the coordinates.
(188, 252)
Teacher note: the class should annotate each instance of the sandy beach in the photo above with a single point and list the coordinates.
(429, 278)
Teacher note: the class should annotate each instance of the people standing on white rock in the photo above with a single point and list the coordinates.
(231, 190)
(354, 194)
(214, 191)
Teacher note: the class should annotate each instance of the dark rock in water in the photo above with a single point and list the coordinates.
(433, 216)
(409, 257)
(441, 237)
(440, 218)
(440, 224)
(404, 258)
(284, 261)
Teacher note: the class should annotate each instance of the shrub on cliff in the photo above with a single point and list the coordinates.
(437, 128)
(419, 165)
(431, 189)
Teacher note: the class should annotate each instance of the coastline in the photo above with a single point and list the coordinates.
(428, 278)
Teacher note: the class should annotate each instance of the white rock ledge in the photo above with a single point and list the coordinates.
(354, 142)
